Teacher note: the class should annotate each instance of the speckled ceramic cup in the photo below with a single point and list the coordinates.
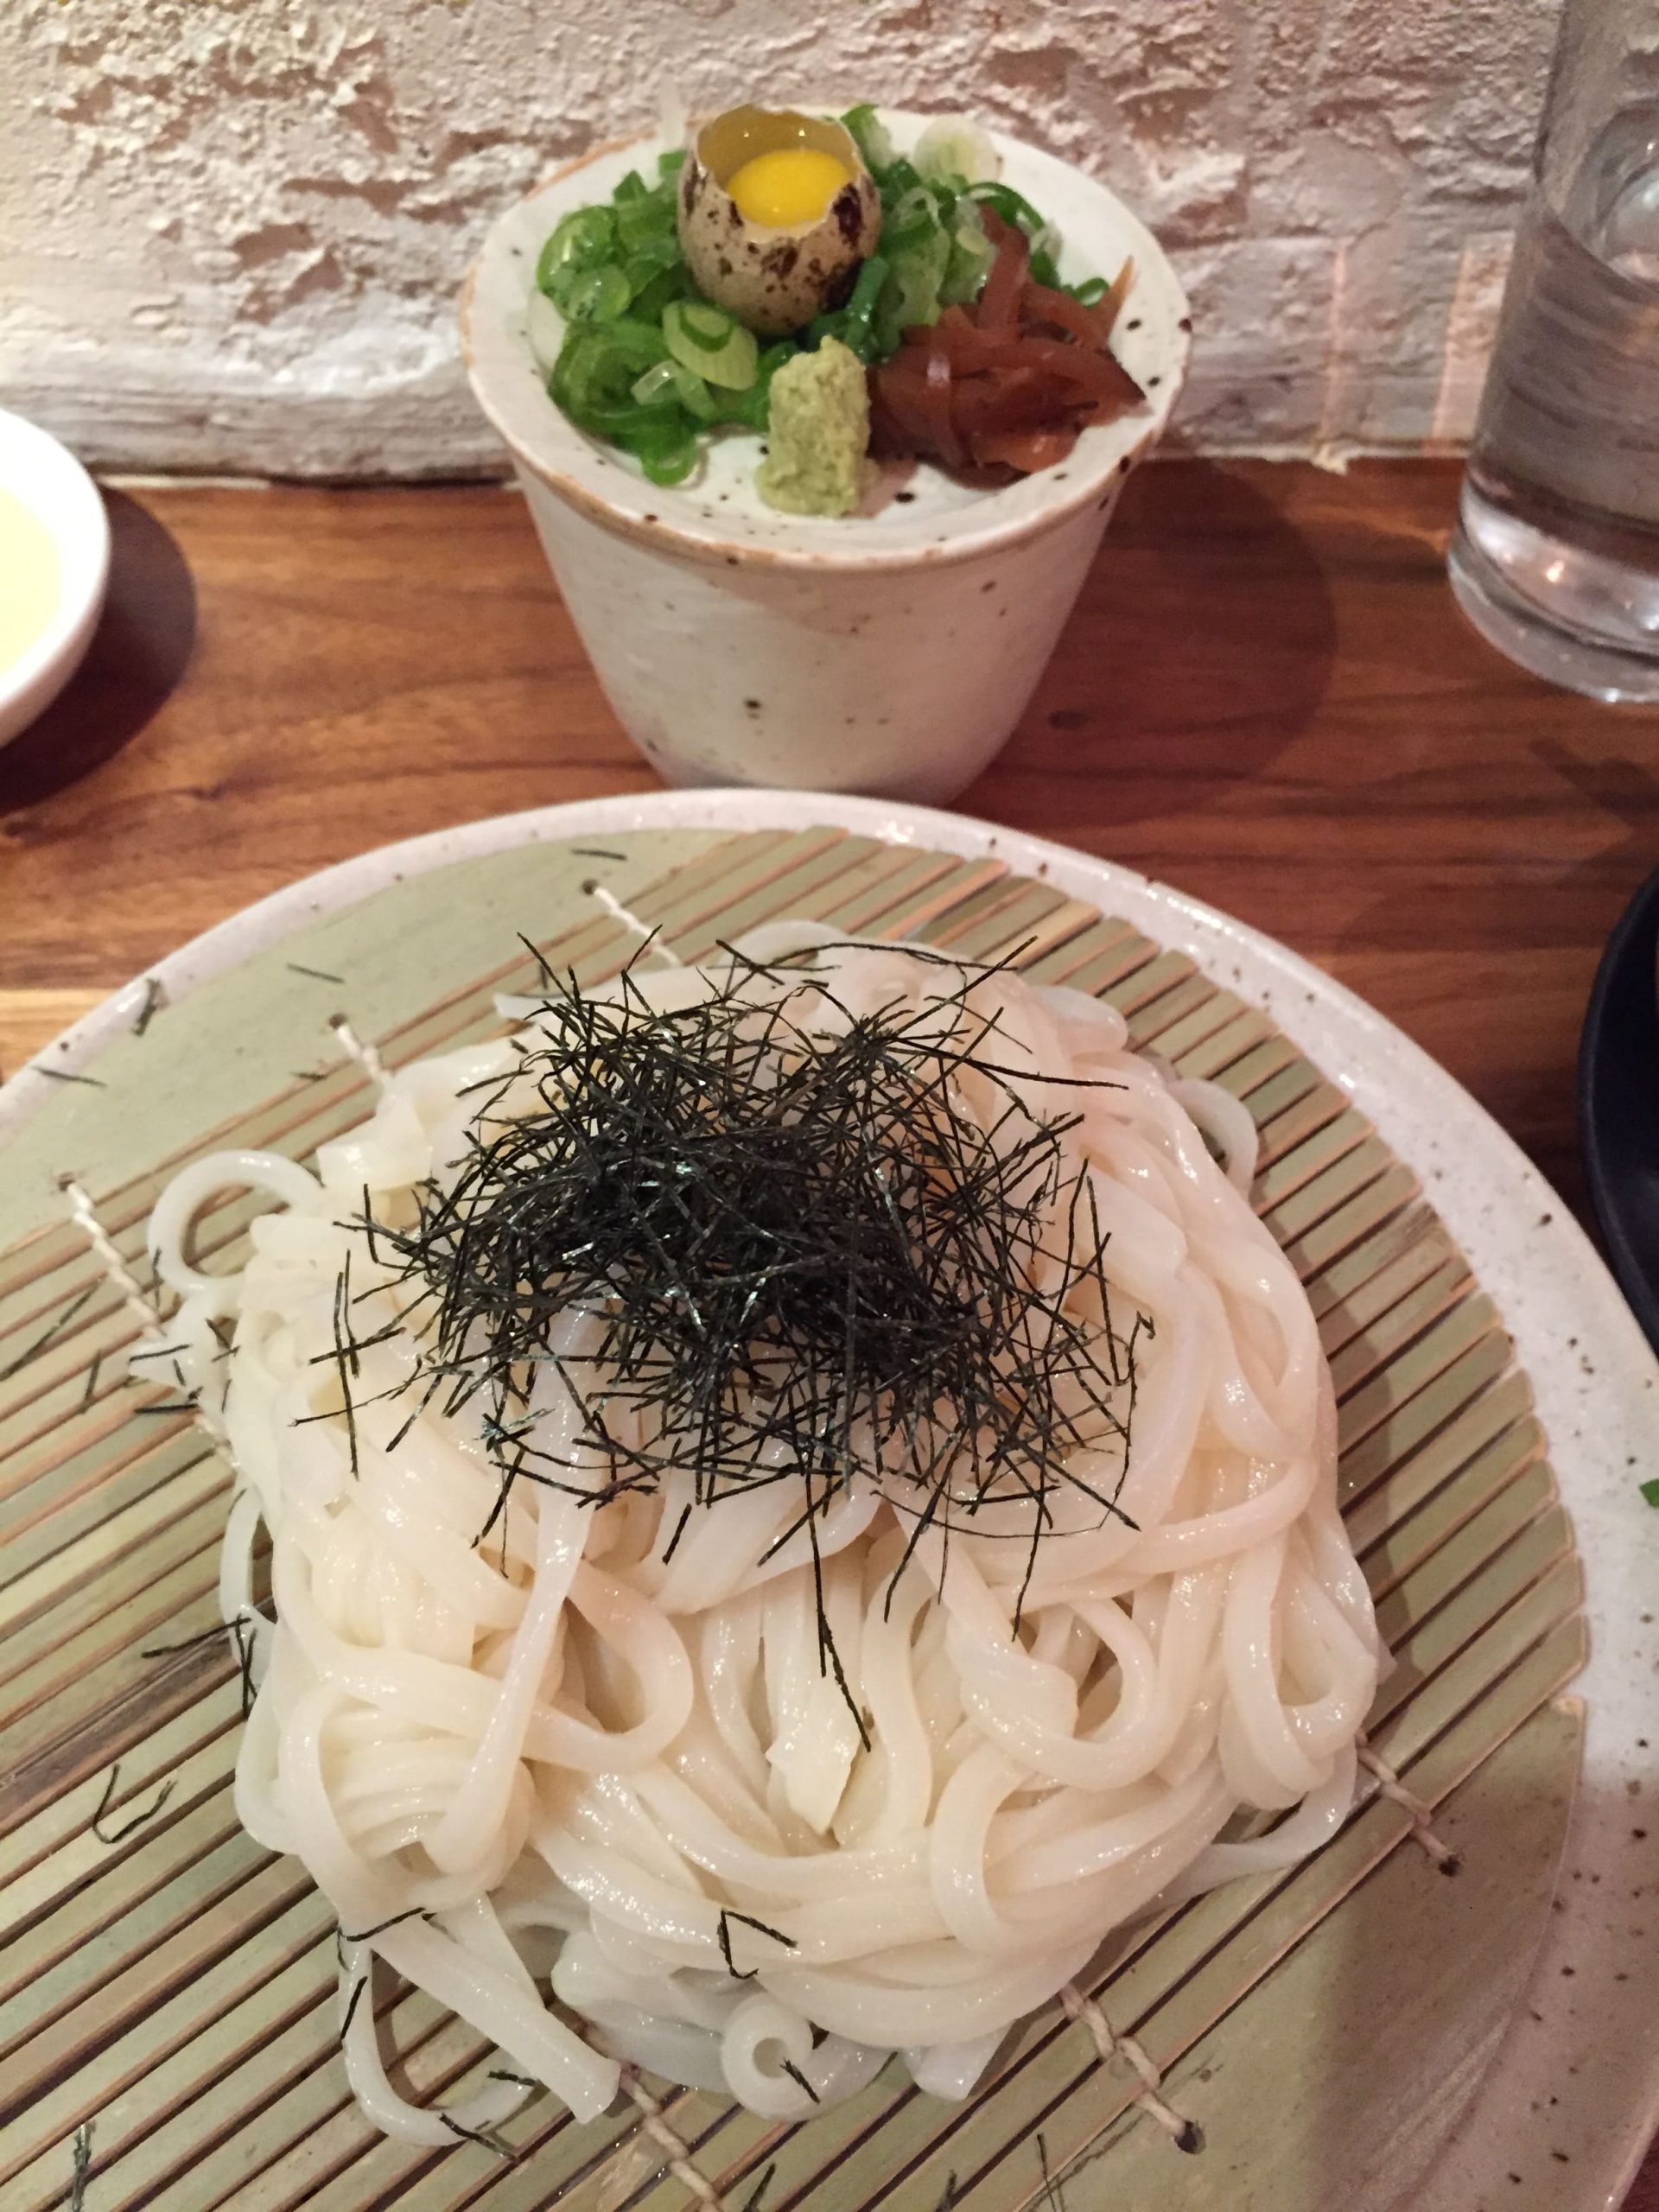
(890, 651)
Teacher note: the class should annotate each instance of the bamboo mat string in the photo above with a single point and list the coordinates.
(654, 2122)
(644, 932)
(120, 1276)
(1390, 1785)
(358, 1049)
(1185, 2134)
(115, 1268)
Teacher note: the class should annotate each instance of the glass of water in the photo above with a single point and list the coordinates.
(1556, 553)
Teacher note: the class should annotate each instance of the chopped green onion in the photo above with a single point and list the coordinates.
(673, 380)
(1090, 292)
(623, 418)
(1010, 204)
(952, 147)
(707, 327)
(852, 324)
(597, 294)
(896, 179)
(640, 341)
(666, 451)
(657, 382)
(911, 294)
(914, 217)
(751, 408)
(650, 260)
(696, 395)
(869, 134)
(669, 464)
(671, 284)
(971, 256)
(1015, 209)
(597, 368)
(710, 342)
(583, 239)
(645, 222)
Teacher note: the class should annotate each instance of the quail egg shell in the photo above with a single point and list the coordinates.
(777, 211)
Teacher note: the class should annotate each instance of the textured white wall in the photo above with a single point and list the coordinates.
(231, 231)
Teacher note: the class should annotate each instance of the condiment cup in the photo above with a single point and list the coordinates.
(45, 478)
(891, 650)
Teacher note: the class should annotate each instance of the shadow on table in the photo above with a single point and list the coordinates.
(1202, 644)
(138, 654)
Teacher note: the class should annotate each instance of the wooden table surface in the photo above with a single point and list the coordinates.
(1266, 697)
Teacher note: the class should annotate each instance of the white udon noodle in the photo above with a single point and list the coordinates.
(561, 1770)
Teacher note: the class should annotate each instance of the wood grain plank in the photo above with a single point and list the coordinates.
(29, 1019)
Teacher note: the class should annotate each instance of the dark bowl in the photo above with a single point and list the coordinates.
(1618, 1104)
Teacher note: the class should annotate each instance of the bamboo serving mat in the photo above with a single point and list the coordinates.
(174, 1986)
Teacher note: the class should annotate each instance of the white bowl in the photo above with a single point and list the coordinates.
(45, 478)
(889, 651)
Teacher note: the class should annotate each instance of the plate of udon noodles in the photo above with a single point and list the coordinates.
(749, 1502)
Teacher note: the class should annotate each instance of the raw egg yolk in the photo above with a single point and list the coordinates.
(781, 190)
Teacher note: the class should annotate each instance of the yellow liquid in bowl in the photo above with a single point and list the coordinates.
(30, 582)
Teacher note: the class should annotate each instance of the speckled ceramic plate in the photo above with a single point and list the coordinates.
(1329, 2032)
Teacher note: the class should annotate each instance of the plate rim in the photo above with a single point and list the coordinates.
(1527, 2102)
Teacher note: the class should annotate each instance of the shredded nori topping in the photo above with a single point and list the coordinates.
(112, 1782)
(807, 1258)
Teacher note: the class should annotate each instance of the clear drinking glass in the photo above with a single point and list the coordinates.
(1556, 554)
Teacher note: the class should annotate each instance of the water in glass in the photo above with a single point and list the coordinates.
(1557, 554)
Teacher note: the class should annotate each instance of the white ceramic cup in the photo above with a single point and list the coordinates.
(47, 479)
(890, 651)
